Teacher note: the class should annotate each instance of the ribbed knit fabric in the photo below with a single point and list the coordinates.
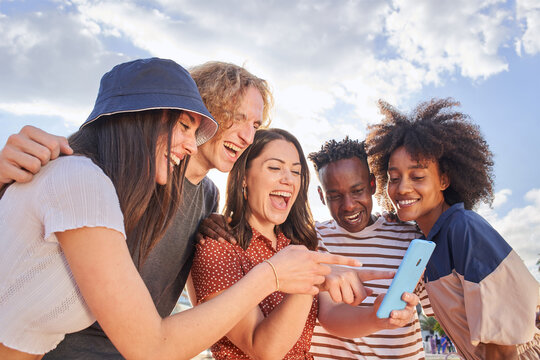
(39, 299)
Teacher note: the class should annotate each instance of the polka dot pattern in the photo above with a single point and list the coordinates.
(218, 266)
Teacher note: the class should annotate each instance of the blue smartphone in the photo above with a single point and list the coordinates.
(411, 268)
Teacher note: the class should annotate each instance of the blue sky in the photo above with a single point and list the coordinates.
(327, 62)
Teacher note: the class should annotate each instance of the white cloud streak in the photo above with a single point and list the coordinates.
(51, 63)
(351, 53)
(528, 11)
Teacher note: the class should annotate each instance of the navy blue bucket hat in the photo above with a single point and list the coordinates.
(148, 84)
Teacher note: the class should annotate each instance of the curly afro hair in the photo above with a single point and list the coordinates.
(434, 131)
(333, 151)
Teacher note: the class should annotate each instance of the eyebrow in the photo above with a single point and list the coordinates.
(190, 117)
(281, 161)
(244, 117)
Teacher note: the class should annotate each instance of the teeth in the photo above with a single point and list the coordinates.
(352, 217)
(231, 146)
(281, 193)
(175, 159)
(406, 202)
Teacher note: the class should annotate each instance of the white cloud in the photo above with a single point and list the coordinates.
(501, 197)
(74, 115)
(528, 11)
(51, 64)
(318, 54)
(450, 35)
(520, 226)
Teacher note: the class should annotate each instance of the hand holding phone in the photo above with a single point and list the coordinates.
(411, 268)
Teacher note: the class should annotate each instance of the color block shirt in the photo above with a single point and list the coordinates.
(218, 266)
(480, 289)
(39, 299)
(380, 246)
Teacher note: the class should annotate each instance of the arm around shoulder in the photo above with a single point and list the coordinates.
(115, 293)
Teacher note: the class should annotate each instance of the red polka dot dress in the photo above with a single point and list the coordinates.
(218, 266)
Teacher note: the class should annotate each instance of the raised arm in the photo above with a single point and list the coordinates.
(26, 152)
(357, 321)
(115, 293)
(103, 269)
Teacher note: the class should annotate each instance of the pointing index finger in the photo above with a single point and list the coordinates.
(368, 274)
(326, 258)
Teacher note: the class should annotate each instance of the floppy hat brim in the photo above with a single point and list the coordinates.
(142, 102)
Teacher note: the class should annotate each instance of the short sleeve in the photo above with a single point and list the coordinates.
(321, 247)
(78, 194)
(501, 308)
(216, 267)
(499, 293)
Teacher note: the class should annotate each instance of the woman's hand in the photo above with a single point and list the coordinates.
(346, 284)
(300, 270)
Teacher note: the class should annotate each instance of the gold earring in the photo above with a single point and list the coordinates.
(244, 193)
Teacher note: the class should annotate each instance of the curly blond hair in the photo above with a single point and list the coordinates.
(222, 85)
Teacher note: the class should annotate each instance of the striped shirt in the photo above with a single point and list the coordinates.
(380, 246)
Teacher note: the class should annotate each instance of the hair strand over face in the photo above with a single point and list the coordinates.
(124, 147)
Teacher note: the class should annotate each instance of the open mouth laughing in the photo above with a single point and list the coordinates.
(280, 199)
(175, 159)
(232, 150)
(354, 218)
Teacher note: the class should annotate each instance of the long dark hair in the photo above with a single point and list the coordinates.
(299, 225)
(124, 147)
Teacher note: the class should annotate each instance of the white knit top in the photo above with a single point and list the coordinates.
(39, 299)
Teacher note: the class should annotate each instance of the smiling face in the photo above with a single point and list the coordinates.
(416, 189)
(223, 150)
(272, 183)
(183, 142)
(347, 189)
